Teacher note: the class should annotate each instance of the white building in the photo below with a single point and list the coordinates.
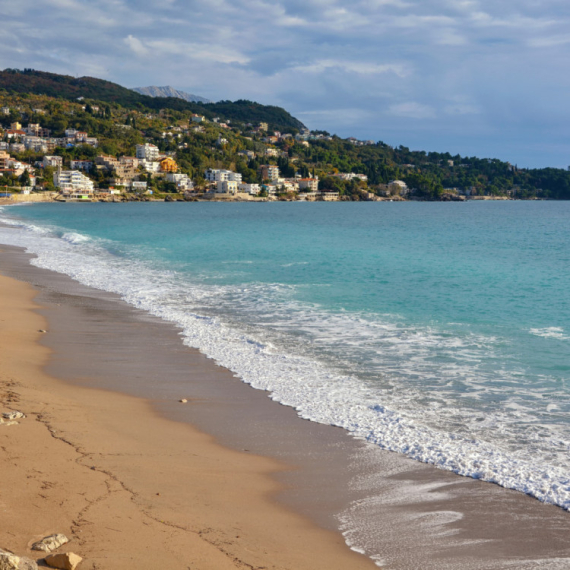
(351, 176)
(226, 187)
(81, 165)
(53, 161)
(147, 152)
(150, 166)
(310, 184)
(182, 181)
(138, 186)
(217, 175)
(253, 189)
(72, 181)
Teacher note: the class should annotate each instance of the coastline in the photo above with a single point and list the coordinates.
(418, 513)
(132, 489)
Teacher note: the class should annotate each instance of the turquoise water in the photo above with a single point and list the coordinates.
(437, 330)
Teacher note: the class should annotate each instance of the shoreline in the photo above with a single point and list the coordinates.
(84, 462)
(406, 505)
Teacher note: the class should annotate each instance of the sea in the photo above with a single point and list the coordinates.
(440, 331)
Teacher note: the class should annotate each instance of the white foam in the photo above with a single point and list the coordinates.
(75, 238)
(550, 332)
(326, 392)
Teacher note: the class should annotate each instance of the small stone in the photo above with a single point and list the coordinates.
(42, 331)
(51, 542)
(183, 401)
(64, 561)
(13, 415)
(3, 423)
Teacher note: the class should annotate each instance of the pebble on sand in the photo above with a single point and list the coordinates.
(64, 561)
(51, 542)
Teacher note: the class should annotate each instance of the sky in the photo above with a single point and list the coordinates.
(486, 78)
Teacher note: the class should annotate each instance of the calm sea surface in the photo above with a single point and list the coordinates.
(441, 331)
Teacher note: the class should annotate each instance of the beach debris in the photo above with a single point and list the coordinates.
(13, 415)
(42, 331)
(11, 423)
(9, 561)
(64, 561)
(183, 401)
(51, 542)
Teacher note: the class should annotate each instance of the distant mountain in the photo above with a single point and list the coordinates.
(168, 91)
(72, 88)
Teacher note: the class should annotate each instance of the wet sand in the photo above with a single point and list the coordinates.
(406, 514)
(130, 488)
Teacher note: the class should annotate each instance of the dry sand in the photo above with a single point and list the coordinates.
(132, 489)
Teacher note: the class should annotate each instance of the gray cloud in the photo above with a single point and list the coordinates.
(469, 76)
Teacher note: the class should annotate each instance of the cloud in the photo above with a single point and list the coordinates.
(429, 72)
(136, 45)
(361, 67)
(412, 110)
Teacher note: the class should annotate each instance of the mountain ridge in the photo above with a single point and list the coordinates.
(169, 91)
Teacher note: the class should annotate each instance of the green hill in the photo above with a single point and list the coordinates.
(121, 119)
(70, 88)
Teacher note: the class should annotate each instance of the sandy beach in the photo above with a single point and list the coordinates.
(132, 489)
(109, 456)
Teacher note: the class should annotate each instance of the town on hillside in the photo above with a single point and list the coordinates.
(129, 176)
(87, 150)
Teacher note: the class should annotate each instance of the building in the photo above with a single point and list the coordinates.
(72, 182)
(168, 165)
(53, 161)
(81, 165)
(351, 176)
(4, 160)
(309, 184)
(150, 165)
(226, 187)
(129, 161)
(182, 181)
(197, 119)
(251, 155)
(253, 189)
(108, 161)
(217, 175)
(269, 172)
(138, 186)
(328, 196)
(147, 152)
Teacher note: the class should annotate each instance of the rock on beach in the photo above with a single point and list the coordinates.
(50, 543)
(9, 561)
(64, 561)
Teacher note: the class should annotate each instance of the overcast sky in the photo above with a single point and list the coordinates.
(488, 78)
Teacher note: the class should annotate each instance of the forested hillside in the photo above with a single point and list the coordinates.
(121, 119)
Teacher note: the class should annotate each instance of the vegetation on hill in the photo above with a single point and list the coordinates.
(30, 81)
(121, 119)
